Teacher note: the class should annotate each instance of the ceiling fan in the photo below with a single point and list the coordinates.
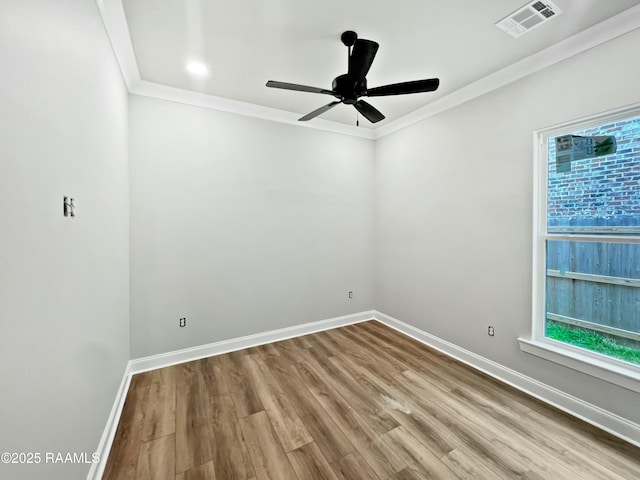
(348, 88)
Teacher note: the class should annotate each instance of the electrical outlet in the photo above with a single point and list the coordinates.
(491, 331)
(183, 322)
(350, 294)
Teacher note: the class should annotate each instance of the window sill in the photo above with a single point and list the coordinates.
(574, 358)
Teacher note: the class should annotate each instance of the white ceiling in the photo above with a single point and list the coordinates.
(244, 43)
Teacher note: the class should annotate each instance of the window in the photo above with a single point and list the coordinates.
(586, 311)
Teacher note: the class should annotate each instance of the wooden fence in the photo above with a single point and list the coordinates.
(595, 285)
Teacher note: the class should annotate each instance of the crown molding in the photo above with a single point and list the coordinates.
(165, 92)
(593, 36)
(115, 23)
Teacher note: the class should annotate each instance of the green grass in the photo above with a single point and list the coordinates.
(592, 341)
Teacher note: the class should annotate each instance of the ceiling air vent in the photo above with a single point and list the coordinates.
(528, 17)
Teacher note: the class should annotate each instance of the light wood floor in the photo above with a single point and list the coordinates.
(359, 402)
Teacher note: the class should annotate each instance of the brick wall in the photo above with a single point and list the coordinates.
(599, 191)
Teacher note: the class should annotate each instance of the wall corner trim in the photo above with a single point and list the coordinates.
(603, 419)
(106, 440)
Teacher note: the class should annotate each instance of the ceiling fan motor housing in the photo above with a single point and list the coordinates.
(348, 88)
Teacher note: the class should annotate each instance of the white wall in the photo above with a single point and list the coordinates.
(454, 213)
(242, 225)
(64, 283)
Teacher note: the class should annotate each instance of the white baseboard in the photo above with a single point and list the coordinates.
(104, 446)
(154, 362)
(610, 422)
(195, 353)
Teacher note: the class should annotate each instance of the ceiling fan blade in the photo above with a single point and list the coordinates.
(318, 111)
(403, 88)
(368, 111)
(362, 55)
(298, 88)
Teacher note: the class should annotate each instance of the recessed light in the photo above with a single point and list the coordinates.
(197, 68)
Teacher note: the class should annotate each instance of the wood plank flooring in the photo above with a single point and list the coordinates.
(358, 402)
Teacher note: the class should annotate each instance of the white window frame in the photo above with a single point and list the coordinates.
(598, 365)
